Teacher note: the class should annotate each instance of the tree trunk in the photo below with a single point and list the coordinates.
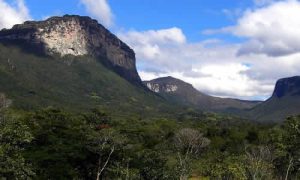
(288, 169)
(99, 172)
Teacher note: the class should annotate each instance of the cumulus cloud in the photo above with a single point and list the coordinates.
(247, 70)
(100, 10)
(272, 30)
(12, 14)
(211, 66)
(149, 44)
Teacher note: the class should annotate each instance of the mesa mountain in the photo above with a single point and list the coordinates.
(72, 62)
(77, 36)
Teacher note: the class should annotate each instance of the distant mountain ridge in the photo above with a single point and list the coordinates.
(178, 91)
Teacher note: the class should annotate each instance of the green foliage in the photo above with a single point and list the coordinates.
(73, 83)
(57, 146)
(14, 138)
(153, 166)
(292, 143)
(54, 144)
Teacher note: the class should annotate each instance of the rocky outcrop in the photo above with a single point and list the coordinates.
(165, 85)
(287, 87)
(77, 35)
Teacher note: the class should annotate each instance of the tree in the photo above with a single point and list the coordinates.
(14, 136)
(153, 165)
(259, 162)
(58, 147)
(188, 143)
(292, 143)
(103, 143)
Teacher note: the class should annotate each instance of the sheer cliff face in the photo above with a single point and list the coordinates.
(77, 35)
(287, 87)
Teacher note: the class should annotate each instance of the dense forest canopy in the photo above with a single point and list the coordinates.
(55, 144)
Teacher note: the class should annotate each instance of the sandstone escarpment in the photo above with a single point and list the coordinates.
(287, 87)
(77, 35)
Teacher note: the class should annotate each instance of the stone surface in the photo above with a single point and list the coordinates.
(168, 88)
(287, 87)
(77, 35)
(166, 85)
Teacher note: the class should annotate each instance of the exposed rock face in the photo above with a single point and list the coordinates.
(163, 85)
(287, 87)
(77, 35)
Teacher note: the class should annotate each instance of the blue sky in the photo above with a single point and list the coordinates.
(226, 48)
(192, 16)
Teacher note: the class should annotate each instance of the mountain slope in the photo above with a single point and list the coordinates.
(35, 73)
(284, 102)
(181, 92)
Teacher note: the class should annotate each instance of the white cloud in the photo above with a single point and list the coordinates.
(148, 44)
(272, 29)
(100, 10)
(13, 14)
(211, 66)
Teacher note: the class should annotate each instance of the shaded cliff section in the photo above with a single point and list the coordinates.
(284, 102)
(77, 36)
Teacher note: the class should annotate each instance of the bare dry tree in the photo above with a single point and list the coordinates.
(259, 162)
(189, 143)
